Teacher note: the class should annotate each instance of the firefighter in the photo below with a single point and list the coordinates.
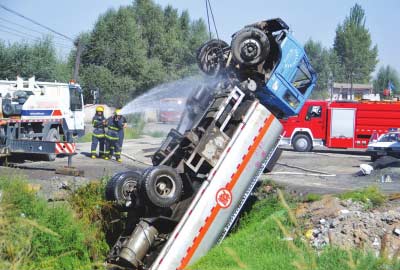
(114, 124)
(98, 136)
(120, 135)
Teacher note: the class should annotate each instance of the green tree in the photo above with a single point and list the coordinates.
(137, 47)
(353, 46)
(385, 75)
(37, 59)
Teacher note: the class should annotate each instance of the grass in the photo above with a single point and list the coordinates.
(35, 234)
(264, 241)
(370, 196)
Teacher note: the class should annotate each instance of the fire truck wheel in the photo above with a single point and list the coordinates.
(302, 143)
(250, 46)
(52, 136)
(122, 186)
(162, 186)
(210, 56)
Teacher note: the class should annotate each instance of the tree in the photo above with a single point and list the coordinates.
(134, 48)
(326, 65)
(37, 59)
(385, 75)
(353, 46)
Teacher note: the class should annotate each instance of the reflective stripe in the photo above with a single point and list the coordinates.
(112, 138)
(114, 128)
(98, 135)
(117, 153)
(112, 147)
(93, 151)
(107, 152)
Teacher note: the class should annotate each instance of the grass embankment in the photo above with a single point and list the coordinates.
(36, 234)
(270, 237)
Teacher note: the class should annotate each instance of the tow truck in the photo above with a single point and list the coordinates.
(206, 169)
(39, 118)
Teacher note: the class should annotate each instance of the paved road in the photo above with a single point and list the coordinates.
(340, 167)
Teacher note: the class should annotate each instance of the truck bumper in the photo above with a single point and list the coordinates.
(29, 146)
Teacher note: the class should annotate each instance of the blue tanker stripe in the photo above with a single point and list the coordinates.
(37, 112)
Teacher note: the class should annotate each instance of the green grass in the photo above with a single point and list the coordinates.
(261, 243)
(370, 196)
(312, 197)
(35, 234)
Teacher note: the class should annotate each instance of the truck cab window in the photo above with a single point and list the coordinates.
(75, 99)
(302, 78)
(314, 112)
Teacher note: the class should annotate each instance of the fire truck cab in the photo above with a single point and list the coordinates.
(338, 124)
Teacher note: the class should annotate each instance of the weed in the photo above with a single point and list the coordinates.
(312, 197)
(37, 235)
(370, 196)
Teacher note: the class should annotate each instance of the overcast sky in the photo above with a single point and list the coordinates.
(308, 19)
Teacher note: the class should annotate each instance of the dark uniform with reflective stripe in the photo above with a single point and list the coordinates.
(98, 136)
(120, 135)
(112, 136)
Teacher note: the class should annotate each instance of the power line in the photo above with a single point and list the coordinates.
(30, 37)
(27, 28)
(37, 23)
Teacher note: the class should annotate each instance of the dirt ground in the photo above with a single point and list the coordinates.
(323, 171)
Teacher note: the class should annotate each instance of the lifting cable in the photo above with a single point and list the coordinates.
(209, 8)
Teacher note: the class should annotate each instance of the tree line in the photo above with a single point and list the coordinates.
(135, 47)
(351, 59)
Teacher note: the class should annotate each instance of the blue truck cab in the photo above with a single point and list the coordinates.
(291, 81)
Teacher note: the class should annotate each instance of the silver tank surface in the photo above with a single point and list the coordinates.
(221, 196)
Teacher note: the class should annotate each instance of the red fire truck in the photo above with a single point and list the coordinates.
(339, 124)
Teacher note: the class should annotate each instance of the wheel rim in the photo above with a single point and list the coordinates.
(211, 60)
(301, 143)
(165, 186)
(250, 49)
(128, 187)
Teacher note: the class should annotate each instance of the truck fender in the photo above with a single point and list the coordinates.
(301, 130)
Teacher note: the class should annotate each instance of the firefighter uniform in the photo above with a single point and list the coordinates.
(121, 132)
(98, 136)
(114, 125)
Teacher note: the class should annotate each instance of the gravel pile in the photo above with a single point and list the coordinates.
(348, 224)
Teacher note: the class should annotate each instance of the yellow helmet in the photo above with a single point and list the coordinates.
(99, 109)
(118, 112)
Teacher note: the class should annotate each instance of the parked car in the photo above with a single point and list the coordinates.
(387, 144)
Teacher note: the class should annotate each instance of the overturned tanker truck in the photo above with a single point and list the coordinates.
(205, 170)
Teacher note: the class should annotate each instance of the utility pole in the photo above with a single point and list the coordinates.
(79, 49)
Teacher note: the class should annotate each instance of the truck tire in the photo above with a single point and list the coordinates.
(302, 143)
(250, 46)
(210, 56)
(274, 159)
(52, 136)
(122, 186)
(161, 186)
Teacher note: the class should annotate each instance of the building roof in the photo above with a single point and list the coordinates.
(356, 86)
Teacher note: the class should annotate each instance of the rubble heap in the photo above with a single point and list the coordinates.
(349, 224)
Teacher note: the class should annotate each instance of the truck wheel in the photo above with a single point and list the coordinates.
(374, 158)
(250, 46)
(210, 56)
(122, 186)
(274, 159)
(302, 143)
(162, 186)
(52, 136)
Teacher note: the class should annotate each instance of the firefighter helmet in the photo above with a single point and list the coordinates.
(99, 109)
(118, 112)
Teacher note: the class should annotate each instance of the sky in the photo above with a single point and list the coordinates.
(314, 19)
